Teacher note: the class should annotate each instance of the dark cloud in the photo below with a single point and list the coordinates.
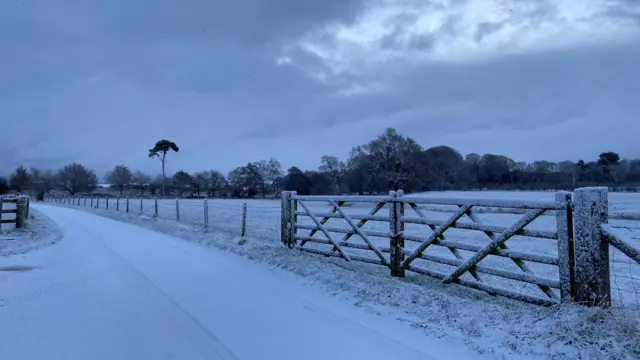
(234, 81)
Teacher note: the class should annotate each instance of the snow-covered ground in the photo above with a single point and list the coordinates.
(489, 325)
(39, 231)
(111, 290)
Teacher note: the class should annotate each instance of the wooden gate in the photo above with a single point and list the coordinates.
(456, 260)
(14, 211)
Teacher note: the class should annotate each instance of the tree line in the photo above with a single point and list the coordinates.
(390, 161)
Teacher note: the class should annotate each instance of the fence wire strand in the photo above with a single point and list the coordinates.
(624, 271)
(262, 220)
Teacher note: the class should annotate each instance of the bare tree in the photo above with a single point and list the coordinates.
(140, 181)
(182, 182)
(4, 185)
(215, 182)
(120, 176)
(334, 168)
(75, 178)
(41, 182)
(160, 151)
(20, 179)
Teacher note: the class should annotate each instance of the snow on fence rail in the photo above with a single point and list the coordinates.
(511, 250)
(14, 210)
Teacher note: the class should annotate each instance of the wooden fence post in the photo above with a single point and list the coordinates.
(285, 220)
(178, 209)
(20, 212)
(206, 214)
(127, 204)
(396, 228)
(566, 260)
(106, 200)
(28, 205)
(85, 201)
(591, 253)
(118, 203)
(141, 208)
(155, 206)
(244, 220)
(293, 231)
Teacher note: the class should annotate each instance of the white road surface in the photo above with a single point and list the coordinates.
(110, 290)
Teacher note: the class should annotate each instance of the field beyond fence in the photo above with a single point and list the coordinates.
(517, 245)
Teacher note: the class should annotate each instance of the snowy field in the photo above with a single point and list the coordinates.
(493, 325)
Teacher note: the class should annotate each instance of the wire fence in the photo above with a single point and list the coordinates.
(253, 218)
(624, 271)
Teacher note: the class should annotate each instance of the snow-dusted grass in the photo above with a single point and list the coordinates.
(39, 231)
(491, 325)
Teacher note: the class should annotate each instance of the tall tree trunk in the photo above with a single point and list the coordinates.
(164, 154)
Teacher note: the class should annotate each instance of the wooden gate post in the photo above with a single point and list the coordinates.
(178, 209)
(206, 214)
(1, 199)
(243, 231)
(396, 228)
(21, 204)
(566, 259)
(155, 206)
(592, 278)
(285, 219)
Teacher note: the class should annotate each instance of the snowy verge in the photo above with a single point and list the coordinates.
(502, 328)
(39, 231)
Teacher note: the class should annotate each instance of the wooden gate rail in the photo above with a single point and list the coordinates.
(401, 259)
(620, 242)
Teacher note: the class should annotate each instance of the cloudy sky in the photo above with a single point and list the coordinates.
(233, 81)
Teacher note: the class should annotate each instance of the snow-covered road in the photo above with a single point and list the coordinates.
(110, 290)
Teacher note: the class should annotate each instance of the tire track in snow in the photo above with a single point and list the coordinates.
(165, 306)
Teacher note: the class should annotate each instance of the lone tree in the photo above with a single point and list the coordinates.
(120, 176)
(75, 178)
(160, 151)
